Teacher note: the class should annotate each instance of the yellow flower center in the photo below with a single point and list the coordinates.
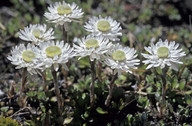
(37, 32)
(28, 56)
(91, 43)
(163, 52)
(103, 26)
(63, 9)
(51, 51)
(118, 55)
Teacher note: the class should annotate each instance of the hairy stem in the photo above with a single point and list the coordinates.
(24, 80)
(111, 85)
(99, 71)
(43, 75)
(60, 100)
(162, 106)
(92, 97)
(65, 38)
(46, 121)
(22, 97)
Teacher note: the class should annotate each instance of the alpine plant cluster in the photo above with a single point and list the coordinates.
(101, 44)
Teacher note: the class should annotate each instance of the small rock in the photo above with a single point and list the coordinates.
(1, 93)
(2, 103)
(10, 112)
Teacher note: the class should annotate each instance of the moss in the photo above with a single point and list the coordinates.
(7, 121)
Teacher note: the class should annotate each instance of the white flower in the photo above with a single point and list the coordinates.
(26, 57)
(163, 53)
(36, 33)
(122, 58)
(91, 46)
(61, 12)
(55, 53)
(106, 27)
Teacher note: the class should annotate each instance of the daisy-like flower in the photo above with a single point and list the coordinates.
(55, 53)
(94, 47)
(106, 27)
(61, 12)
(122, 58)
(36, 33)
(26, 57)
(162, 54)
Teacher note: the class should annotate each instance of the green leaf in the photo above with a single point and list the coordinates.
(189, 92)
(84, 62)
(185, 124)
(174, 83)
(170, 108)
(122, 77)
(54, 99)
(28, 17)
(83, 95)
(86, 115)
(41, 95)
(181, 85)
(36, 19)
(101, 111)
(67, 121)
(32, 93)
(188, 99)
(132, 27)
(159, 70)
(129, 118)
(149, 89)
(124, 38)
(48, 74)
(4, 109)
(43, 108)
(149, 79)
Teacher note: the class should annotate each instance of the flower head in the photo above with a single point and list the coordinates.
(26, 57)
(61, 12)
(162, 54)
(55, 53)
(106, 27)
(94, 47)
(36, 33)
(122, 58)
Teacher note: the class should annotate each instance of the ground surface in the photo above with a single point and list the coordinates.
(142, 21)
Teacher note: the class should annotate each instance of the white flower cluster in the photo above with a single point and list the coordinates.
(94, 47)
(98, 45)
(44, 53)
(41, 57)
